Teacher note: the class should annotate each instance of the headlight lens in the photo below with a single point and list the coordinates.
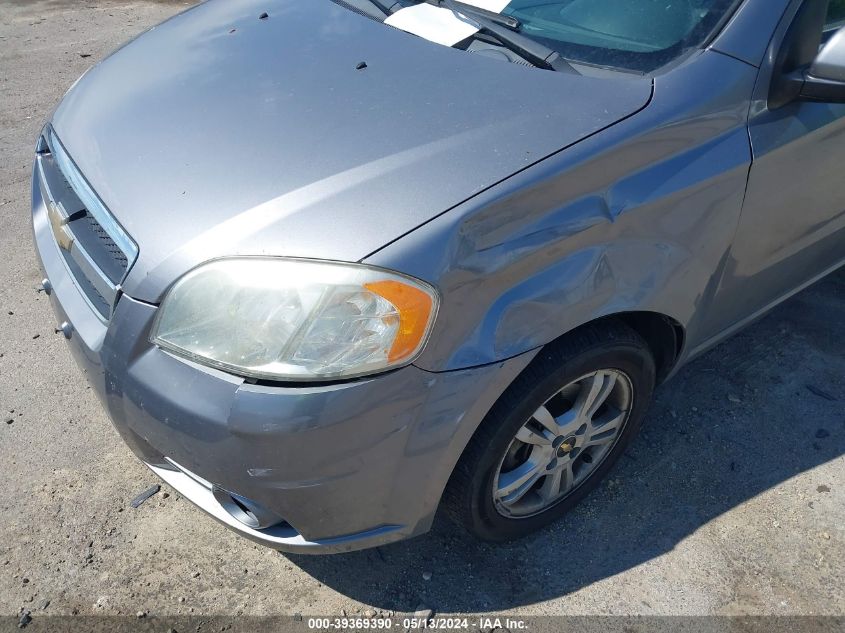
(289, 319)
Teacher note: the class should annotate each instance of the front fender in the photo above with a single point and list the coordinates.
(637, 218)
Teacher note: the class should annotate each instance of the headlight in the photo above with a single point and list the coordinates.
(290, 319)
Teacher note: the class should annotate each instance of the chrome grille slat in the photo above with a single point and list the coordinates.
(103, 287)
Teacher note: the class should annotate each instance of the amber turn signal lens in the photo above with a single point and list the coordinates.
(415, 309)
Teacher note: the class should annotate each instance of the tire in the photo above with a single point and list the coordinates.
(606, 357)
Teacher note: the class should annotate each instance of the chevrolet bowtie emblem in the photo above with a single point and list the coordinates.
(58, 223)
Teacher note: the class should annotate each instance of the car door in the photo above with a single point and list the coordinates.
(792, 228)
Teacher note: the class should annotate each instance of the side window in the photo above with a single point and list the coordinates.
(835, 15)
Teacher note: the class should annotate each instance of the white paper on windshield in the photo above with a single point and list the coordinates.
(433, 23)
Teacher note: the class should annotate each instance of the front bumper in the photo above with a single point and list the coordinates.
(346, 466)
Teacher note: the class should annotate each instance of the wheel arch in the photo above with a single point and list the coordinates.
(661, 335)
(664, 335)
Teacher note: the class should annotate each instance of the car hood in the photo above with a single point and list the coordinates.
(219, 133)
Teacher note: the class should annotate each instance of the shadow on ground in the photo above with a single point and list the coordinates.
(730, 426)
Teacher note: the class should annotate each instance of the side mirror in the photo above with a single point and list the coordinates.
(824, 80)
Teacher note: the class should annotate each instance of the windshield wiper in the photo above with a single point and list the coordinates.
(502, 29)
(463, 7)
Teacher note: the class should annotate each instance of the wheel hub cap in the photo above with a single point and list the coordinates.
(565, 445)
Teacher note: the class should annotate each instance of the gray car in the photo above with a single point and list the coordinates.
(330, 269)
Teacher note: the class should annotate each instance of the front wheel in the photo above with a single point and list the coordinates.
(554, 434)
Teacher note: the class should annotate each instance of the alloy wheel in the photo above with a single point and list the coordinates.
(562, 443)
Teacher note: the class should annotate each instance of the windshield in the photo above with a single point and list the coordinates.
(835, 14)
(637, 35)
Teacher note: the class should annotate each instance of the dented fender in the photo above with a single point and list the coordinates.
(639, 217)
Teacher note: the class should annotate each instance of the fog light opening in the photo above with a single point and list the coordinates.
(245, 511)
(253, 520)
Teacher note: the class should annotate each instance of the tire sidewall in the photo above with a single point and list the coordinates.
(632, 360)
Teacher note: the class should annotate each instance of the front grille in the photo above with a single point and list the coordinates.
(102, 305)
(107, 242)
(100, 246)
(96, 249)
